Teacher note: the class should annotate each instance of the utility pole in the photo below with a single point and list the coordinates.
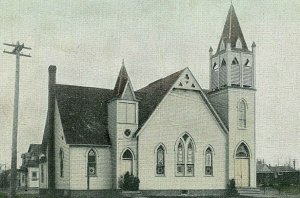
(16, 51)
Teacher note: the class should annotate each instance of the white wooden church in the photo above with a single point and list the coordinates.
(173, 135)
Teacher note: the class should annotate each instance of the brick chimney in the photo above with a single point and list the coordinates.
(51, 137)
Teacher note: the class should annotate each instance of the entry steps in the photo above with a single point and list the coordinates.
(252, 192)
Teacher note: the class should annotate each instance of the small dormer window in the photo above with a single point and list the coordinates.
(239, 43)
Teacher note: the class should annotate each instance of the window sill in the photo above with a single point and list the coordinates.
(184, 175)
(239, 128)
(91, 176)
(208, 175)
(162, 175)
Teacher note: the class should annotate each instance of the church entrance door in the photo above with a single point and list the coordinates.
(242, 166)
(127, 162)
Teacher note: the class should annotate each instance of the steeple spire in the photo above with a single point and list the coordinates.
(121, 81)
(232, 32)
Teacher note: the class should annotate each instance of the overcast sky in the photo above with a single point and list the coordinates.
(87, 42)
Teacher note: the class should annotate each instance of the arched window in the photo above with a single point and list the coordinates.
(242, 114)
(242, 151)
(160, 160)
(61, 162)
(208, 162)
(185, 156)
(92, 162)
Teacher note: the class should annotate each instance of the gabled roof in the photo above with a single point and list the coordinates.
(84, 115)
(83, 112)
(232, 31)
(35, 148)
(282, 168)
(263, 168)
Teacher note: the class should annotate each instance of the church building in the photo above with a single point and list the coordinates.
(176, 137)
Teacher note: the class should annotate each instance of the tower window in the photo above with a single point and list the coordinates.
(242, 114)
(247, 63)
(235, 62)
(127, 112)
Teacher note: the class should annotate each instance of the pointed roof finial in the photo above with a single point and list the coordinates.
(123, 63)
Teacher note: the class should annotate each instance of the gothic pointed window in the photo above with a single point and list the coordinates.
(61, 163)
(190, 160)
(180, 159)
(185, 156)
(242, 114)
(92, 163)
(160, 160)
(242, 151)
(208, 162)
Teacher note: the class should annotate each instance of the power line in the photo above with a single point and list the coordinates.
(17, 52)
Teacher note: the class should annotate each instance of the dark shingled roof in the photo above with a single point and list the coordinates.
(36, 148)
(83, 112)
(232, 31)
(151, 95)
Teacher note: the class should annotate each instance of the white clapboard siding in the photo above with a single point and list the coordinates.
(60, 144)
(78, 168)
(182, 111)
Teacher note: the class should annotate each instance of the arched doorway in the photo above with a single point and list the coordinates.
(242, 166)
(127, 162)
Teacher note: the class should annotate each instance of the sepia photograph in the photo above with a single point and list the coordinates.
(150, 99)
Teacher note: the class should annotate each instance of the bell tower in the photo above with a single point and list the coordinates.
(232, 93)
(233, 64)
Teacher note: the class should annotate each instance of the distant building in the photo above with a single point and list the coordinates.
(175, 136)
(29, 170)
(268, 175)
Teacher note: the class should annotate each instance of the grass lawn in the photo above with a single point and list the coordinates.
(295, 189)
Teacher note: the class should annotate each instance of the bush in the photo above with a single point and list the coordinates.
(129, 182)
(231, 189)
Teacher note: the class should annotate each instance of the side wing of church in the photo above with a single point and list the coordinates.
(176, 137)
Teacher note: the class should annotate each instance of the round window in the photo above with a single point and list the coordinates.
(127, 132)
